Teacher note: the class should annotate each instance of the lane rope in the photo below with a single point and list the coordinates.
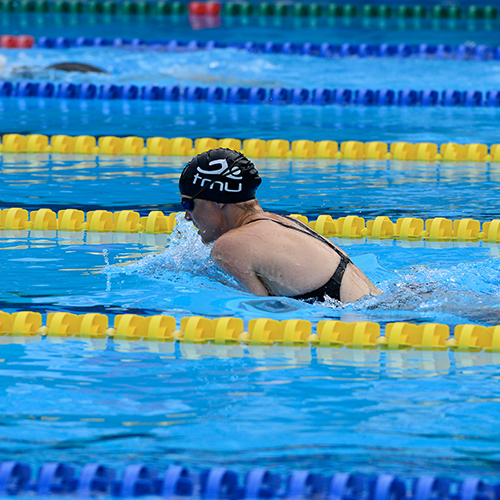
(243, 8)
(349, 227)
(252, 95)
(467, 51)
(136, 480)
(261, 331)
(253, 148)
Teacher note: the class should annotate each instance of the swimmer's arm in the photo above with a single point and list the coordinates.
(232, 258)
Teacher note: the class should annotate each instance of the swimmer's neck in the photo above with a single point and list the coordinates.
(241, 213)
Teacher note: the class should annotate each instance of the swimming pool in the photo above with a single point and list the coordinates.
(117, 401)
(238, 68)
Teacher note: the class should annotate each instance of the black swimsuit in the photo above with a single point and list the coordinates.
(332, 287)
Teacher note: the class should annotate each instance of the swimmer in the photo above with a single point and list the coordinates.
(37, 71)
(267, 254)
(75, 66)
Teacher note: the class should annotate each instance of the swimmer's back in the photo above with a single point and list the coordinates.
(287, 262)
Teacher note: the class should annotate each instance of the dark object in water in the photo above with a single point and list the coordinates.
(74, 66)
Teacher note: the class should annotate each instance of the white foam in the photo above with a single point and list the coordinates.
(186, 257)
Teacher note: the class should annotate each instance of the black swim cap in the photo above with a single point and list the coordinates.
(220, 175)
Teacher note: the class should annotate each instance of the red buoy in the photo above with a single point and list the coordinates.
(197, 8)
(8, 41)
(213, 8)
(25, 42)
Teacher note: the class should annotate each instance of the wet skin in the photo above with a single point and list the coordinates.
(268, 259)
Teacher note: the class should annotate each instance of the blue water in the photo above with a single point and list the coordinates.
(327, 410)
(232, 67)
(407, 413)
(120, 403)
(311, 187)
(446, 282)
(174, 119)
(242, 29)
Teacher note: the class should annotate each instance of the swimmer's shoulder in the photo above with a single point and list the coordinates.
(249, 239)
(239, 244)
(234, 252)
(234, 240)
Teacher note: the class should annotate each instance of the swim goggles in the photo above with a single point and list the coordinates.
(188, 203)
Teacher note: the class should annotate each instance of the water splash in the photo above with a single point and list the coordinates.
(467, 291)
(447, 292)
(106, 263)
(186, 259)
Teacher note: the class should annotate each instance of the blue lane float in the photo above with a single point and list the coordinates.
(252, 95)
(219, 483)
(325, 50)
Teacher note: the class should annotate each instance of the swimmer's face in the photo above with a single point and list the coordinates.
(207, 217)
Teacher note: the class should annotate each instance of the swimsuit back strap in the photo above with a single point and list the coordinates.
(316, 235)
(304, 229)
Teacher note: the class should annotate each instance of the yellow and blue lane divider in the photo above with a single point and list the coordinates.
(253, 148)
(220, 483)
(257, 332)
(156, 222)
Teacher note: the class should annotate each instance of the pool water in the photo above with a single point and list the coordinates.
(448, 282)
(257, 28)
(119, 402)
(232, 67)
(402, 412)
(238, 67)
(310, 187)
(328, 410)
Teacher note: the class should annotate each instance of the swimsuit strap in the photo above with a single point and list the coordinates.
(304, 229)
(331, 288)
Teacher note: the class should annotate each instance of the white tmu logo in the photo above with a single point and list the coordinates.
(222, 186)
